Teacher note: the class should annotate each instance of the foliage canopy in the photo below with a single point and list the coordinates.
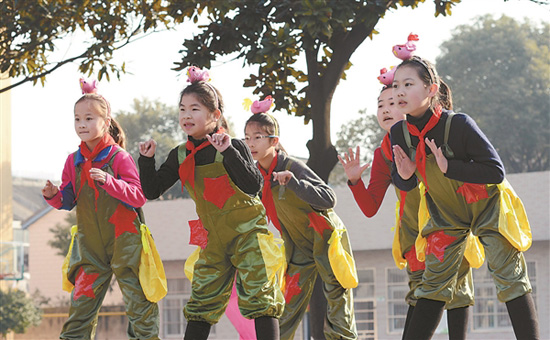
(504, 84)
(275, 35)
(302, 47)
(17, 312)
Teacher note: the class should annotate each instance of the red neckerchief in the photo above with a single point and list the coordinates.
(421, 148)
(267, 196)
(386, 147)
(186, 170)
(106, 141)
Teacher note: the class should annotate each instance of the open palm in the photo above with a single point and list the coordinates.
(351, 165)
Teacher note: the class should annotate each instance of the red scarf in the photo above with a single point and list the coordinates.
(106, 141)
(421, 148)
(267, 196)
(187, 167)
(186, 170)
(386, 147)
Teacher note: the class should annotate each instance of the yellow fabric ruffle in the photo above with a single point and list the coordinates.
(423, 217)
(341, 262)
(66, 284)
(400, 262)
(274, 257)
(189, 265)
(152, 277)
(513, 223)
(474, 253)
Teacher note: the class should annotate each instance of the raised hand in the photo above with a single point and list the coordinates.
(49, 190)
(283, 177)
(220, 141)
(442, 162)
(351, 165)
(405, 166)
(98, 175)
(148, 148)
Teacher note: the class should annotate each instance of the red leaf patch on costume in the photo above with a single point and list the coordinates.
(83, 284)
(473, 192)
(217, 190)
(413, 262)
(291, 286)
(318, 222)
(199, 235)
(123, 219)
(437, 243)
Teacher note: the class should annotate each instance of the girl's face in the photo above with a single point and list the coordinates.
(89, 124)
(387, 113)
(261, 146)
(410, 93)
(194, 117)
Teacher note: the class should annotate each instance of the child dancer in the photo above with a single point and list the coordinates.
(300, 204)
(370, 198)
(219, 174)
(101, 179)
(465, 191)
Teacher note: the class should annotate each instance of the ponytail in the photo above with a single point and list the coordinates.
(115, 130)
(445, 97)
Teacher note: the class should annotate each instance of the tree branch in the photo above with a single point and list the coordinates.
(85, 54)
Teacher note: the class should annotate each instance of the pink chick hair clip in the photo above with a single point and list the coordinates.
(262, 106)
(88, 87)
(195, 74)
(406, 50)
(386, 76)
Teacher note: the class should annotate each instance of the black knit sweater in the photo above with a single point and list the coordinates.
(475, 159)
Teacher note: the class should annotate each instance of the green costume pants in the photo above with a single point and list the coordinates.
(105, 246)
(238, 240)
(408, 231)
(307, 256)
(457, 208)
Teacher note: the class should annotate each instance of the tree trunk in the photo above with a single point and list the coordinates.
(323, 155)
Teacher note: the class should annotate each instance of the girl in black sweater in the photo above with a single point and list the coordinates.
(465, 192)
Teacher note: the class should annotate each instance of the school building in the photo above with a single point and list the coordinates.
(380, 309)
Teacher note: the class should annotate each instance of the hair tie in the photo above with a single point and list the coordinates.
(262, 106)
(195, 74)
(89, 87)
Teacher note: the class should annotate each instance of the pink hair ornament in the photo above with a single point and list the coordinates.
(406, 50)
(88, 86)
(386, 77)
(259, 106)
(195, 74)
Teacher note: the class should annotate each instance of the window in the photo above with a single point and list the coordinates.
(398, 287)
(173, 321)
(364, 305)
(488, 312)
